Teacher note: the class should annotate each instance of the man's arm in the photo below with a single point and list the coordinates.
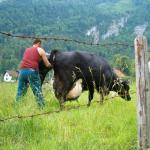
(44, 58)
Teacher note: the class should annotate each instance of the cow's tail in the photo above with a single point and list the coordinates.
(52, 56)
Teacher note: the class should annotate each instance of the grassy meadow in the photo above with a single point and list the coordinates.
(108, 126)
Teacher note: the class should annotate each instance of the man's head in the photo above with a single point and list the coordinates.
(37, 42)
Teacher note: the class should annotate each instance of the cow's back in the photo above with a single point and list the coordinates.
(96, 70)
(89, 67)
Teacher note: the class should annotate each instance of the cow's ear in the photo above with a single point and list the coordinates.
(118, 81)
(115, 85)
(128, 81)
(125, 83)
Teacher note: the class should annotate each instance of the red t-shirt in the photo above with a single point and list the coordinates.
(31, 58)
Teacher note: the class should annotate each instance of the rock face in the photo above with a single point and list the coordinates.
(94, 33)
(115, 27)
(140, 29)
(113, 30)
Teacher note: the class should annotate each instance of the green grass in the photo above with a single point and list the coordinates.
(110, 126)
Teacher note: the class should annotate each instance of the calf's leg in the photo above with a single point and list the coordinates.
(101, 97)
(91, 94)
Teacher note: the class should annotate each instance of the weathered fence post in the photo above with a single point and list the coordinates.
(143, 92)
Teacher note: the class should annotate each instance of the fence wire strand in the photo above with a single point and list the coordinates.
(66, 40)
(18, 117)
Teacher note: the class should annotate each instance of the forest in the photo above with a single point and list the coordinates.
(86, 20)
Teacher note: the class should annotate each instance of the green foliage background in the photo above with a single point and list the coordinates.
(71, 19)
(108, 126)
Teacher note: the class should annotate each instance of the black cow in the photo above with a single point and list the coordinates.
(94, 71)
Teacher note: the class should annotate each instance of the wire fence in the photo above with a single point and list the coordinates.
(17, 117)
(67, 40)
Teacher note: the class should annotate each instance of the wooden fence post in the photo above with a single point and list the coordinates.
(143, 92)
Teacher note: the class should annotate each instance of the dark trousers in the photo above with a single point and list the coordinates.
(30, 77)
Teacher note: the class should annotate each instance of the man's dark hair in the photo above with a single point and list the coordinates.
(37, 41)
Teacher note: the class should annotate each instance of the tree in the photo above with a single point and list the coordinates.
(123, 63)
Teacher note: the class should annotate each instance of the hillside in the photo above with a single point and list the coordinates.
(97, 21)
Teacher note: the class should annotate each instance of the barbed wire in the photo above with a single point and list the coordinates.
(61, 39)
(66, 40)
(51, 112)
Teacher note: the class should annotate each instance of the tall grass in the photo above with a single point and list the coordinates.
(110, 126)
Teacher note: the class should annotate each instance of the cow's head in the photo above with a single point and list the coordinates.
(122, 88)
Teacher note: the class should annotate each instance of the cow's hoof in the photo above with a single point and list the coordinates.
(62, 107)
(88, 105)
(101, 102)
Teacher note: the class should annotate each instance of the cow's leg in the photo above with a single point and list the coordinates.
(101, 96)
(65, 89)
(59, 91)
(103, 92)
(63, 97)
(62, 102)
(62, 84)
(91, 94)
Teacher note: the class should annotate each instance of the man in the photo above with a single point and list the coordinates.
(29, 75)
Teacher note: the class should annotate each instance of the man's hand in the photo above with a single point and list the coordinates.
(49, 66)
